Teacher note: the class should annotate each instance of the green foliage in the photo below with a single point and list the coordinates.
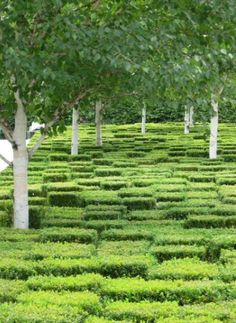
(184, 292)
(69, 235)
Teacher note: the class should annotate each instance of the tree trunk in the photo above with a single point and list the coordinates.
(98, 122)
(20, 170)
(213, 129)
(191, 112)
(75, 132)
(186, 121)
(143, 126)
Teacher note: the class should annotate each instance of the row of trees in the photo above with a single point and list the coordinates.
(57, 54)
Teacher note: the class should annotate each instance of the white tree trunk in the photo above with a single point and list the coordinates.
(143, 126)
(98, 122)
(213, 129)
(75, 132)
(20, 170)
(186, 121)
(191, 112)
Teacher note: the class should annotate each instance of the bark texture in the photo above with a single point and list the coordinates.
(20, 169)
(98, 122)
(213, 129)
(191, 113)
(143, 126)
(186, 121)
(75, 132)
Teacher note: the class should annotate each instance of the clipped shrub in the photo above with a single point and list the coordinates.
(186, 269)
(55, 177)
(63, 198)
(184, 292)
(83, 282)
(58, 157)
(116, 235)
(10, 289)
(178, 251)
(139, 203)
(112, 185)
(210, 221)
(140, 311)
(68, 234)
(102, 172)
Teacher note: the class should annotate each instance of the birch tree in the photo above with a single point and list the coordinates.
(75, 131)
(55, 54)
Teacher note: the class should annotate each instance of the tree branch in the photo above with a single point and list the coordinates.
(6, 130)
(56, 117)
(6, 160)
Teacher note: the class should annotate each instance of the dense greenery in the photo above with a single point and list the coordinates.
(141, 229)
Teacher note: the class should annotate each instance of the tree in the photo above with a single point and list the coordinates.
(55, 54)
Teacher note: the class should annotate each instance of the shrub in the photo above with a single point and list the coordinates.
(101, 225)
(134, 192)
(16, 269)
(9, 289)
(123, 248)
(112, 185)
(63, 199)
(103, 172)
(81, 157)
(36, 216)
(118, 266)
(40, 251)
(135, 154)
(210, 221)
(178, 251)
(186, 269)
(98, 197)
(139, 203)
(61, 187)
(55, 177)
(83, 282)
(169, 196)
(5, 219)
(87, 301)
(184, 292)
(58, 157)
(40, 313)
(68, 234)
(142, 311)
(134, 235)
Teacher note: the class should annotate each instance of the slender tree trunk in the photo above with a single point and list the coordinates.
(20, 170)
(186, 121)
(98, 122)
(75, 131)
(143, 126)
(191, 113)
(213, 129)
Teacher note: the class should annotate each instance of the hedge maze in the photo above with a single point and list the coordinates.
(142, 229)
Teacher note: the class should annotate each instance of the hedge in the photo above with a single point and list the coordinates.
(40, 313)
(39, 251)
(63, 199)
(178, 251)
(186, 269)
(142, 311)
(139, 203)
(85, 300)
(184, 292)
(68, 234)
(210, 221)
(83, 282)
(127, 234)
(10, 289)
